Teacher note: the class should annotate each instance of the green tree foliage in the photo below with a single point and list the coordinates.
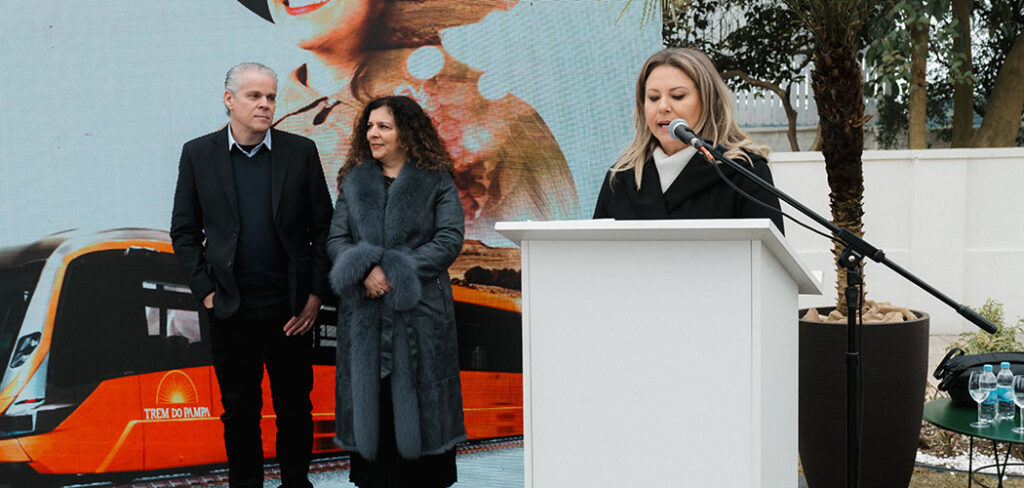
(755, 44)
(995, 28)
(764, 44)
(1003, 98)
(900, 37)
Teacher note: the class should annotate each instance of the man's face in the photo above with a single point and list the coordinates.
(252, 106)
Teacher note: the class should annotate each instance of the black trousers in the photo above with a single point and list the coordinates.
(241, 346)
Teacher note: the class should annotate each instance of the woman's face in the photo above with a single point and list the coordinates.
(321, 24)
(382, 134)
(670, 94)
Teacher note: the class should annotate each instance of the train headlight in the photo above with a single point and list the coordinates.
(23, 349)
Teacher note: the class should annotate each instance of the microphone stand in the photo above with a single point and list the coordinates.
(855, 249)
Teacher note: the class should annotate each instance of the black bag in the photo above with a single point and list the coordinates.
(955, 369)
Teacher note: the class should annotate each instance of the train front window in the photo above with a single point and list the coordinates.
(124, 312)
(16, 287)
(171, 322)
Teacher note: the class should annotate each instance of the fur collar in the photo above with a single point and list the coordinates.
(382, 225)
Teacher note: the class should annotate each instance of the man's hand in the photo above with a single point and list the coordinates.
(376, 283)
(306, 319)
(208, 301)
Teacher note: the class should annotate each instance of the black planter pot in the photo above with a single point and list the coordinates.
(894, 360)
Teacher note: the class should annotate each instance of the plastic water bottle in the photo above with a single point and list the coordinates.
(1004, 390)
(988, 406)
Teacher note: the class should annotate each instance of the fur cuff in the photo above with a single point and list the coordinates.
(352, 265)
(400, 269)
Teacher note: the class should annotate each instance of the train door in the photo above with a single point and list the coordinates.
(182, 427)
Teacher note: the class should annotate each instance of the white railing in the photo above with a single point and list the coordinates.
(763, 108)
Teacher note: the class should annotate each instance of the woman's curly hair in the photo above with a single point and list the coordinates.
(415, 132)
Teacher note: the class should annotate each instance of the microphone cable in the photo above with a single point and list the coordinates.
(680, 130)
(711, 160)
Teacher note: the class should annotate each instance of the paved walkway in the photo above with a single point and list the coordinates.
(501, 468)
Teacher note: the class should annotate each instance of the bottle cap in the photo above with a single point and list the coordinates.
(1004, 365)
(988, 367)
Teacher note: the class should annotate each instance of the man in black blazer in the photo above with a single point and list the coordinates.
(249, 228)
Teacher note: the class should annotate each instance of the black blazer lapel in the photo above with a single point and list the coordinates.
(648, 200)
(697, 177)
(278, 167)
(221, 158)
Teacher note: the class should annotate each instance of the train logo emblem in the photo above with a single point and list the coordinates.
(176, 388)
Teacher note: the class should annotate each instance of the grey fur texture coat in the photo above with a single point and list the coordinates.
(414, 231)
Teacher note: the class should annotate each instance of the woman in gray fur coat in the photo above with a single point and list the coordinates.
(398, 224)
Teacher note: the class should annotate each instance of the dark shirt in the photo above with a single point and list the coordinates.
(387, 330)
(261, 265)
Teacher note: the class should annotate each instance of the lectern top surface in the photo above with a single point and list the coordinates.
(664, 230)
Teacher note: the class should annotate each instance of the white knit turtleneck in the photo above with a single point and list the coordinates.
(669, 167)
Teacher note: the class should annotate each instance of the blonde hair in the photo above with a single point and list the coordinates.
(716, 122)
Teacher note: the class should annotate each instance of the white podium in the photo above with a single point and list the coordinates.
(659, 353)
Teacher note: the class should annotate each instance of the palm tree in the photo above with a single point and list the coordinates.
(838, 27)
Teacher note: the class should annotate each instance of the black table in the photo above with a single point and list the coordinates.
(942, 413)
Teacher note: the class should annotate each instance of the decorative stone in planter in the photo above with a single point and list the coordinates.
(894, 360)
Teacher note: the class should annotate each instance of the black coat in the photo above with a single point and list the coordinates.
(205, 222)
(697, 193)
(414, 231)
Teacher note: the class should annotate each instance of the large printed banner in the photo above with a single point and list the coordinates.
(104, 362)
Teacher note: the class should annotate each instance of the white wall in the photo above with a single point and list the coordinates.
(953, 217)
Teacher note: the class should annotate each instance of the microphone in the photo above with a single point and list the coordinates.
(680, 130)
(977, 319)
